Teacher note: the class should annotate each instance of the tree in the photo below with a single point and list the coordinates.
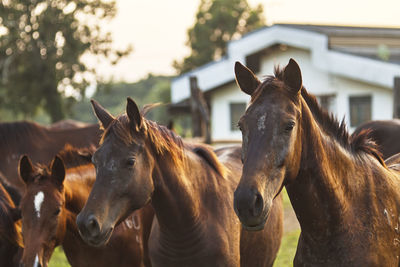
(41, 47)
(218, 22)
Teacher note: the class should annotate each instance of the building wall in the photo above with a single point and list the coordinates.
(317, 82)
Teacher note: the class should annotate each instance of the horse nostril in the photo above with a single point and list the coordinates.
(92, 226)
(258, 205)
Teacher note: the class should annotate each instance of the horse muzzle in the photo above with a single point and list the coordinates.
(251, 209)
(91, 231)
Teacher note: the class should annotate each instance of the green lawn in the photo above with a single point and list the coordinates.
(287, 250)
(58, 259)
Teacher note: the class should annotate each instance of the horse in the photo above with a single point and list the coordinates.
(68, 124)
(346, 198)
(11, 243)
(189, 186)
(53, 198)
(39, 142)
(385, 133)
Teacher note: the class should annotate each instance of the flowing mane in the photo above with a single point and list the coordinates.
(328, 122)
(162, 140)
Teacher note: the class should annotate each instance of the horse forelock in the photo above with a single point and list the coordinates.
(162, 139)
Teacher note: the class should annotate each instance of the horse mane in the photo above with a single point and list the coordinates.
(9, 229)
(210, 157)
(162, 139)
(13, 134)
(328, 122)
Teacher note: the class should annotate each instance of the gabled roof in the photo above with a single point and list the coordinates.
(335, 58)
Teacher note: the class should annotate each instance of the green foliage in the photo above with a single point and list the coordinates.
(41, 45)
(152, 89)
(217, 22)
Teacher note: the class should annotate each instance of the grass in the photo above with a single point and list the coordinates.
(58, 259)
(287, 250)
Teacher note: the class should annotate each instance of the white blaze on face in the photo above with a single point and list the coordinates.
(38, 202)
(261, 123)
(36, 263)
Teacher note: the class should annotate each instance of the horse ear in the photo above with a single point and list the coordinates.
(246, 79)
(292, 76)
(25, 169)
(58, 170)
(133, 113)
(102, 114)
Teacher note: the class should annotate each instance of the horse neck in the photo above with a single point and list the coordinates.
(77, 186)
(176, 199)
(318, 193)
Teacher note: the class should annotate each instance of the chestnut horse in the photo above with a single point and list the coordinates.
(54, 196)
(10, 230)
(385, 133)
(191, 191)
(346, 199)
(39, 142)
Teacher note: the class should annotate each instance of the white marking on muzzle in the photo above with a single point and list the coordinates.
(38, 202)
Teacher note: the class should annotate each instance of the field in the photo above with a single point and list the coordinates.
(285, 255)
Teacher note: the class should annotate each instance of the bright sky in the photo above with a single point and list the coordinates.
(157, 29)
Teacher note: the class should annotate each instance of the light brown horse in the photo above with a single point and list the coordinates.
(53, 198)
(346, 199)
(10, 230)
(39, 142)
(190, 189)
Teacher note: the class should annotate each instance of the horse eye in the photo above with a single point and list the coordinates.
(57, 212)
(93, 159)
(290, 126)
(131, 161)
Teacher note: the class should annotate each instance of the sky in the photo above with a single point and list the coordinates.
(157, 29)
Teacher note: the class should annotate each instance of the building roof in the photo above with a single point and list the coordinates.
(352, 52)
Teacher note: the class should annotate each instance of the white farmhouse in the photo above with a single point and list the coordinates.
(350, 69)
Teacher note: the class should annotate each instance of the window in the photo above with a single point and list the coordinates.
(236, 110)
(360, 110)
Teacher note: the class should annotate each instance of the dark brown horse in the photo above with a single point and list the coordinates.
(54, 196)
(39, 142)
(10, 230)
(68, 124)
(346, 200)
(385, 133)
(190, 189)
